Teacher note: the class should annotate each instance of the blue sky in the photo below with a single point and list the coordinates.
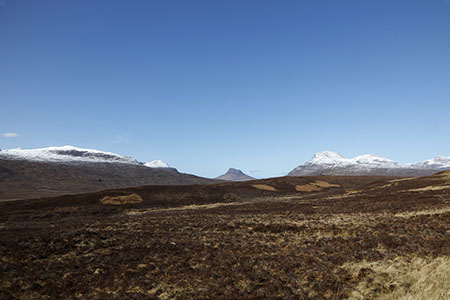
(208, 85)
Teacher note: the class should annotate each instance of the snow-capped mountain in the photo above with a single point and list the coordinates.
(70, 154)
(65, 170)
(65, 154)
(235, 175)
(331, 159)
(439, 162)
(330, 163)
(156, 164)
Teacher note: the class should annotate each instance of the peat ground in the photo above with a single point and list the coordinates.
(324, 237)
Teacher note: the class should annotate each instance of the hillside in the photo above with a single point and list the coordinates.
(21, 179)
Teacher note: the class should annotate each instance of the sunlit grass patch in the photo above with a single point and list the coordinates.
(307, 188)
(324, 184)
(185, 207)
(315, 186)
(436, 211)
(402, 278)
(431, 188)
(120, 200)
(264, 187)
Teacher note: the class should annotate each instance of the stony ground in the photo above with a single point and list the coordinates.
(286, 238)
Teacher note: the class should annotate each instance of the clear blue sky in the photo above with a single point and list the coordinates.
(206, 85)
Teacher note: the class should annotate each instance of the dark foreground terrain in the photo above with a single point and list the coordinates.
(319, 237)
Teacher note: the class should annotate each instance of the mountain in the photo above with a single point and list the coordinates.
(70, 154)
(235, 175)
(330, 163)
(157, 164)
(63, 170)
(437, 163)
(65, 154)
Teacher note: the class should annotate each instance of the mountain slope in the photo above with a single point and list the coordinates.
(67, 170)
(72, 155)
(65, 154)
(330, 163)
(235, 175)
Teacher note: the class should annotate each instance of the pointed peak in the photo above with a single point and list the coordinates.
(327, 154)
(234, 171)
(326, 157)
(235, 175)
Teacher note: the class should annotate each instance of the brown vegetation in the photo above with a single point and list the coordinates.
(120, 200)
(264, 187)
(315, 186)
(404, 277)
(26, 179)
(363, 240)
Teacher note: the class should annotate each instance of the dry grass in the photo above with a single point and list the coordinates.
(446, 173)
(431, 188)
(402, 278)
(324, 184)
(180, 243)
(185, 207)
(352, 192)
(315, 186)
(264, 187)
(120, 200)
(401, 179)
(394, 182)
(409, 214)
(307, 188)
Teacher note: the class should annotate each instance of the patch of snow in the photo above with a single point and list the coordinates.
(326, 157)
(157, 164)
(375, 160)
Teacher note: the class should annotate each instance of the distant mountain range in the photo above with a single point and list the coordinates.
(63, 170)
(70, 155)
(331, 163)
(235, 175)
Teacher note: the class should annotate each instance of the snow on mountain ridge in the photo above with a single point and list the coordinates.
(156, 164)
(373, 159)
(71, 154)
(66, 154)
(326, 157)
(368, 164)
(332, 159)
(437, 162)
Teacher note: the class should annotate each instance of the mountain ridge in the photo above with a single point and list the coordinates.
(69, 154)
(331, 163)
(55, 171)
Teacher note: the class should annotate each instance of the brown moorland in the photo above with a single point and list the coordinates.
(20, 179)
(356, 237)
